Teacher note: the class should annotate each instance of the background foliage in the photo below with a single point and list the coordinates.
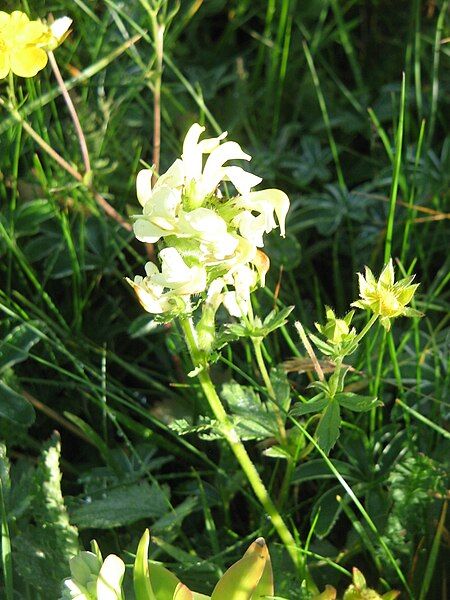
(313, 91)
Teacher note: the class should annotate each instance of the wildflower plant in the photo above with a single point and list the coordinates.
(386, 300)
(212, 239)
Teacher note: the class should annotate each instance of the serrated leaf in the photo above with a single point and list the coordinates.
(249, 415)
(276, 319)
(357, 403)
(328, 430)
(122, 506)
(306, 408)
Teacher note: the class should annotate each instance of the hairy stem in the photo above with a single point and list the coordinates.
(238, 447)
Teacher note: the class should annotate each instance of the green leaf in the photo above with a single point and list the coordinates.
(14, 407)
(329, 510)
(164, 583)
(277, 452)
(281, 387)
(327, 431)
(318, 469)
(122, 506)
(16, 345)
(276, 319)
(250, 416)
(141, 581)
(241, 579)
(39, 548)
(313, 406)
(356, 402)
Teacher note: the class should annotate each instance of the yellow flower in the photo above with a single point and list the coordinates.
(386, 298)
(24, 44)
(20, 44)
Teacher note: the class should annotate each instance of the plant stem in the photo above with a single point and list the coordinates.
(72, 111)
(365, 329)
(238, 447)
(266, 377)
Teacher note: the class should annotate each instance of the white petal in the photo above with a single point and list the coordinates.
(267, 201)
(147, 232)
(144, 186)
(60, 27)
(252, 228)
(213, 171)
(203, 222)
(164, 202)
(242, 180)
(207, 145)
(192, 155)
(173, 267)
(173, 177)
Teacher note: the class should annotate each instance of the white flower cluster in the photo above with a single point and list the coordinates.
(211, 239)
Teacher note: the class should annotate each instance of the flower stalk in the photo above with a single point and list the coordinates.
(238, 447)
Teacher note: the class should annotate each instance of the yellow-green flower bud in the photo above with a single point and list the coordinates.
(385, 297)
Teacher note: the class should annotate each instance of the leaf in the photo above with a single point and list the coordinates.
(318, 469)
(329, 510)
(276, 319)
(281, 387)
(357, 403)
(176, 515)
(14, 407)
(109, 582)
(122, 506)
(277, 452)
(240, 580)
(250, 416)
(285, 252)
(327, 431)
(164, 583)
(29, 216)
(49, 536)
(306, 408)
(141, 581)
(16, 345)
(265, 584)
(182, 593)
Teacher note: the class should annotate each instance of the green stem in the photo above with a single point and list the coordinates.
(365, 329)
(238, 448)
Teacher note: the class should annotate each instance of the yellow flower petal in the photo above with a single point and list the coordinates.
(4, 19)
(32, 32)
(4, 64)
(26, 62)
